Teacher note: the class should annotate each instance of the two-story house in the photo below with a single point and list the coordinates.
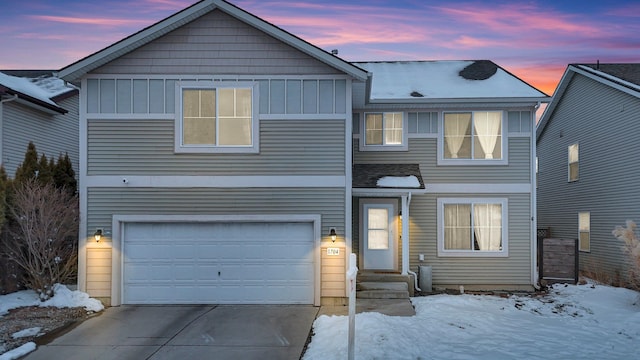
(588, 151)
(224, 160)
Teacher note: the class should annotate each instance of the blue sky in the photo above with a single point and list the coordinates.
(533, 39)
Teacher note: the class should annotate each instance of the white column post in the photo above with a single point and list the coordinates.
(405, 235)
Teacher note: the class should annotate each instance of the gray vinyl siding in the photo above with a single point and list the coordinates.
(512, 270)
(146, 147)
(103, 203)
(52, 134)
(423, 151)
(604, 122)
(216, 43)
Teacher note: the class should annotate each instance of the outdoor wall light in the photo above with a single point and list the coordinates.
(98, 235)
(333, 234)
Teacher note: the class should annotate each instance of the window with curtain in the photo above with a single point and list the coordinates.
(475, 135)
(385, 129)
(584, 231)
(469, 227)
(573, 152)
(216, 118)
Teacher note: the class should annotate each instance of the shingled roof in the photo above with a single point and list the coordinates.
(367, 175)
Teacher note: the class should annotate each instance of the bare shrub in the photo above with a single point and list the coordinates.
(596, 272)
(43, 230)
(631, 248)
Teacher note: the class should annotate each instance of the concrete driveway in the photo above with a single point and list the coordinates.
(187, 332)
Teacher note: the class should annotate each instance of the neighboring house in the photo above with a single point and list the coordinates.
(587, 144)
(37, 107)
(218, 164)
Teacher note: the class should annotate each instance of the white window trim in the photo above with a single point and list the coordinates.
(580, 231)
(442, 252)
(576, 162)
(199, 149)
(488, 162)
(402, 147)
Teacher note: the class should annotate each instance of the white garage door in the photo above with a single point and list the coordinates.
(218, 263)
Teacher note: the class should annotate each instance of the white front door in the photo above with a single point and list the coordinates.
(379, 234)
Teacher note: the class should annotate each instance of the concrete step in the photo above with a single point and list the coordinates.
(374, 285)
(386, 277)
(382, 294)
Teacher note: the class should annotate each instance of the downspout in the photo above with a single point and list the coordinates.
(406, 201)
(534, 206)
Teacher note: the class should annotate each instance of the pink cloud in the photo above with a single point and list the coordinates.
(92, 20)
(519, 18)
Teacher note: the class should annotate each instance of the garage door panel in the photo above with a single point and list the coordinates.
(236, 262)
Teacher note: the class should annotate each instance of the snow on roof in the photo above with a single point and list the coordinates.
(399, 181)
(42, 88)
(411, 80)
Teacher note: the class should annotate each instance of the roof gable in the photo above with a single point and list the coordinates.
(623, 77)
(80, 68)
(428, 81)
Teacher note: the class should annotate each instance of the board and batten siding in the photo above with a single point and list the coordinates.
(51, 134)
(103, 203)
(604, 122)
(146, 147)
(154, 94)
(216, 43)
(423, 151)
(514, 270)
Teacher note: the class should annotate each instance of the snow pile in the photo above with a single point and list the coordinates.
(26, 332)
(19, 352)
(63, 298)
(399, 181)
(572, 322)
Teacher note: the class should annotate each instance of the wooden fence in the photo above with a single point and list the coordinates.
(558, 260)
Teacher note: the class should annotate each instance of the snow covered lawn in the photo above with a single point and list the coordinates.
(571, 322)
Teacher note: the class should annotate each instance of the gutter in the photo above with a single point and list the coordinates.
(33, 102)
(15, 97)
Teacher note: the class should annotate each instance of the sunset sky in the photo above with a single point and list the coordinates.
(533, 39)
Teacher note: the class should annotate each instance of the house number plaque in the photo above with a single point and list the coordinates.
(333, 251)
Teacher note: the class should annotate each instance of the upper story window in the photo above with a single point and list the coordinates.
(573, 168)
(472, 138)
(217, 118)
(383, 131)
(472, 227)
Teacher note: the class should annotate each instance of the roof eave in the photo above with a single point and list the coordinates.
(78, 69)
(569, 73)
(294, 41)
(387, 192)
(425, 100)
(32, 102)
